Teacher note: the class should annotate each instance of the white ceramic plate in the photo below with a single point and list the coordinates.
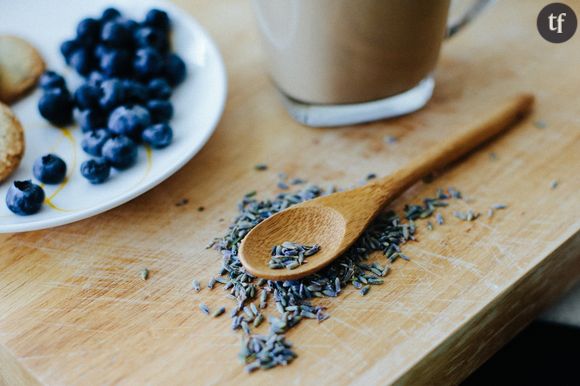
(198, 104)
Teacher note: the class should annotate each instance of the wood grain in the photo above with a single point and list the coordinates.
(336, 221)
(74, 311)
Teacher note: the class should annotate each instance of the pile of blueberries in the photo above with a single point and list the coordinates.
(129, 74)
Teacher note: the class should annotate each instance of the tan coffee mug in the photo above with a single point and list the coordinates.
(341, 62)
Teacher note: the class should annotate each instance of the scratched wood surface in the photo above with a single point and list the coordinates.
(73, 309)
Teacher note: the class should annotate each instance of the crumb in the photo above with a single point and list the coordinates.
(390, 139)
(540, 124)
(183, 201)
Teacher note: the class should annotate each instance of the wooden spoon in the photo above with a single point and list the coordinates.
(336, 221)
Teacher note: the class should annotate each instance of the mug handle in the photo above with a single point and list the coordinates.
(467, 17)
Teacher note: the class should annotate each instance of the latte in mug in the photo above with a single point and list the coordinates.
(349, 61)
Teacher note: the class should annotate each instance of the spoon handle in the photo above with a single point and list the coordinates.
(453, 148)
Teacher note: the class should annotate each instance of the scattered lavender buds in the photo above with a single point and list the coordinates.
(414, 212)
(294, 300)
(554, 184)
(470, 215)
(454, 193)
(282, 181)
(365, 290)
(297, 181)
(261, 167)
(494, 207)
(263, 299)
(291, 255)
(283, 185)
(211, 283)
(258, 320)
(219, 312)
(266, 351)
(204, 308)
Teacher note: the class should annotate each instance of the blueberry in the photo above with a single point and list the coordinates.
(24, 197)
(152, 37)
(68, 47)
(88, 30)
(116, 34)
(158, 136)
(87, 96)
(81, 61)
(135, 92)
(50, 169)
(51, 79)
(129, 121)
(94, 140)
(120, 152)
(174, 69)
(96, 170)
(159, 89)
(95, 78)
(112, 94)
(91, 120)
(100, 50)
(148, 63)
(56, 106)
(157, 18)
(115, 62)
(160, 110)
(110, 14)
(130, 24)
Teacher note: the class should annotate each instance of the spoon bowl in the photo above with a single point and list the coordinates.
(305, 224)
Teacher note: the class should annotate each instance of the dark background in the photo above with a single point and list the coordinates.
(543, 354)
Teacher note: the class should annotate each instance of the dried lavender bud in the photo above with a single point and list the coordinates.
(291, 255)
(196, 285)
(144, 274)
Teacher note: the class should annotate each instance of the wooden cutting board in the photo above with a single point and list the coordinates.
(74, 310)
